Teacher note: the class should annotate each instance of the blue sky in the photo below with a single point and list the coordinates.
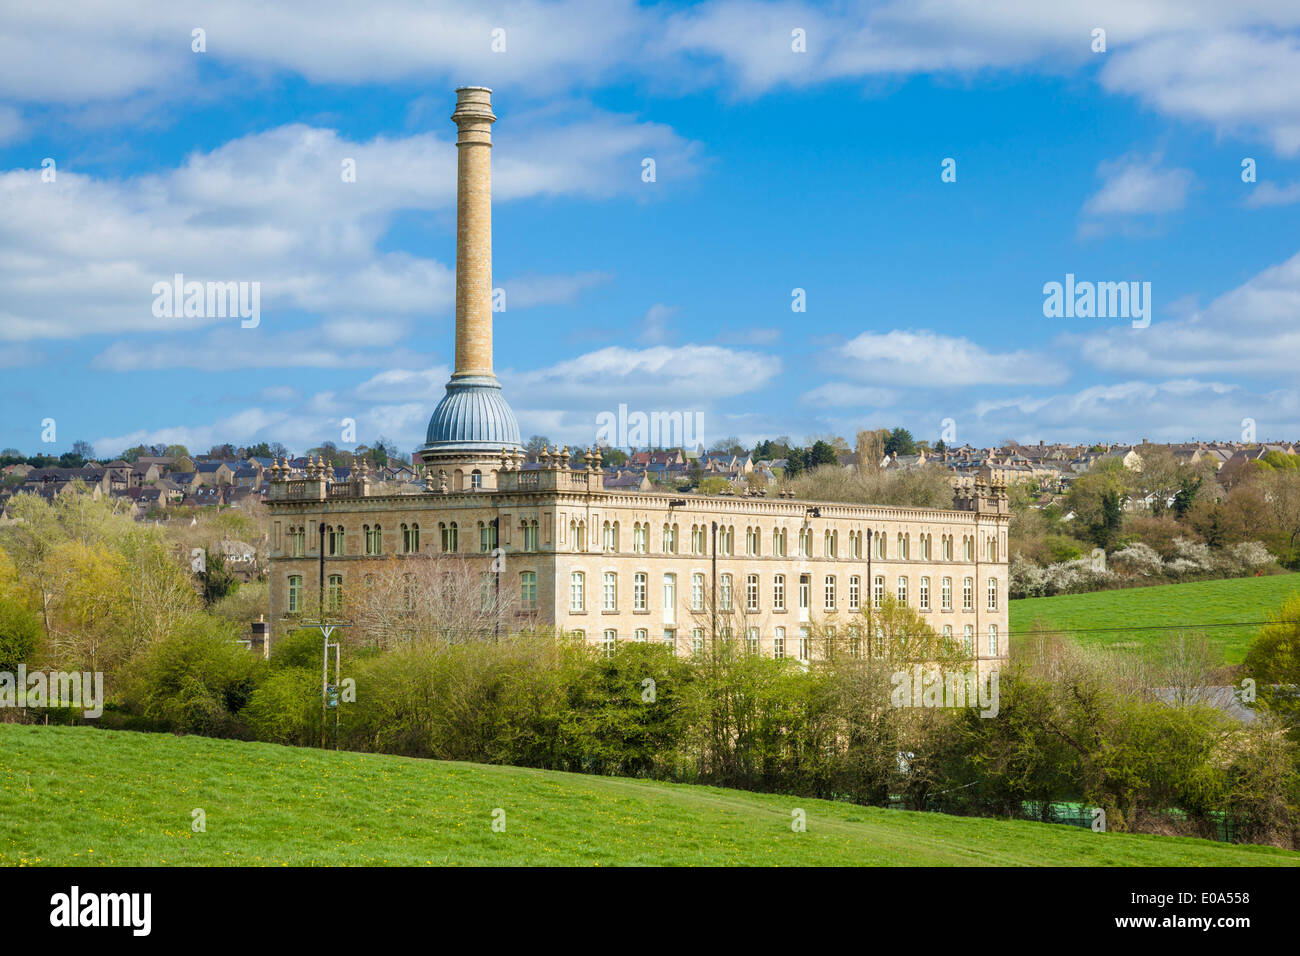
(775, 170)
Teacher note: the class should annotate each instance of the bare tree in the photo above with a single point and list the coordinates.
(441, 598)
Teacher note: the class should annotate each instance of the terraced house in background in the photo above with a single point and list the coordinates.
(615, 565)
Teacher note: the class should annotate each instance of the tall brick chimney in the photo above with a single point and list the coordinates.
(473, 118)
(472, 433)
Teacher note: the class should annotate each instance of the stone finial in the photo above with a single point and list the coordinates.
(564, 458)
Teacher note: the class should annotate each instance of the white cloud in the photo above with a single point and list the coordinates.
(844, 394)
(654, 325)
(925, 359)
(1269, 194)
(1172, 410)
(80, 256)
(1236, 81)
(1135, 186)
(526, 291)
(1249, 331)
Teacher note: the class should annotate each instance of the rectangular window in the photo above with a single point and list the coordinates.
(967, 594)
(778, 643)
(295, 593)
(697, 592)
(925, 594)
(778, 592)
(610, 593)
(577, 591)
(878, 591)
(670, 638)
(945, 594)
(610, 642)
(751, 592)
(993, 594)
(724, 592)
(528, 590)
(751, 640)
(670, 598)
(902, 591)
(805, 592)
(803, 644)
(639, 589)
(697, 640)
(993, 641)
(968, 638)
(855, 592)
(334, 593)
(829, 594)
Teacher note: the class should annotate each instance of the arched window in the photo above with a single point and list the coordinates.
(697, 592)
(778, 592)
(724, 592)
(577, 591)
(829, 593)
(992, 648)
(334, 593)
(640, 591)
(295, 594)
(609, 592)
(993, 594)
(751, 592)
(610, 641)
(967, 594)
(924, 595)
(528, 590)
(476, 480)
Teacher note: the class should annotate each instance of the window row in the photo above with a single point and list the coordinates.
(751, 597)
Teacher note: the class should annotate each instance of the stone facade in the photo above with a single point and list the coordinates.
(650, 566)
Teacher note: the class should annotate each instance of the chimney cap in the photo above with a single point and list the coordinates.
(463, 89)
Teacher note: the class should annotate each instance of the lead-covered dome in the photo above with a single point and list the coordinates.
(472, 416)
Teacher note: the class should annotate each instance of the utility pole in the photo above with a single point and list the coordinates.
(329, 693)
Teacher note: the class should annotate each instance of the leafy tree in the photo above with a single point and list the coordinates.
(176, 451)
(83, 450)
(20, 632)
(536, 444)
(900, 442)
(821, 453)
(218, 580)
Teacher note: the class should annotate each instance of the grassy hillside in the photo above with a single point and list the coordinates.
(85, 796)
(1160, 608)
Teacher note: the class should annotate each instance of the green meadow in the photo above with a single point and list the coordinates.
(81, 796)
(1147, 615)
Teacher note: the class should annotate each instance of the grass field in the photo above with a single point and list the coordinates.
(78, 796)
(1160, 608)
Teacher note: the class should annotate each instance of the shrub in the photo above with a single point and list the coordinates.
(195, 681)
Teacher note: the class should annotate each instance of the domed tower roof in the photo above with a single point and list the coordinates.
(473, 416)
